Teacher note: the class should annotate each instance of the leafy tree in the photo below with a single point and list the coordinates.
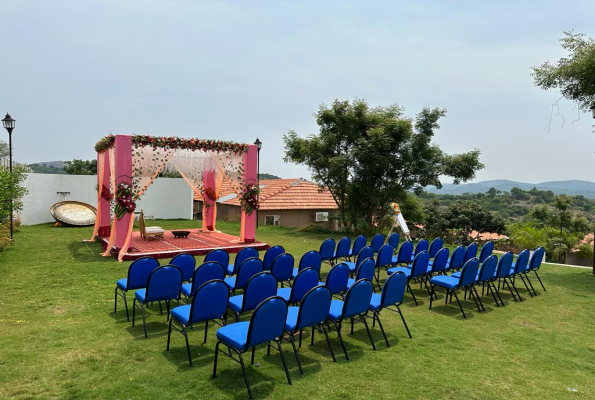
(573, 75)
(81, 167)
(3, 150)
(369, 157)
(46, 169)
(268, 176)
(11, 193)
(519, 194)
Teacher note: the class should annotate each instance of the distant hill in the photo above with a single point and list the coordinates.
(48, 167)
(571, 188)
(268, 176)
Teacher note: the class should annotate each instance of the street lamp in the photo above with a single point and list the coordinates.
(8, 123)
(258, 144)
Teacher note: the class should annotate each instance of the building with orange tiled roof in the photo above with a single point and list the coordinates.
(283, 202)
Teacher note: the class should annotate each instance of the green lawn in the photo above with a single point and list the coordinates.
(60, 338)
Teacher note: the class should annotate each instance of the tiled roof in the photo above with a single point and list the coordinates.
(284, 194)
(487, 236)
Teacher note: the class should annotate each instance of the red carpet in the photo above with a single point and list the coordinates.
(197, 243)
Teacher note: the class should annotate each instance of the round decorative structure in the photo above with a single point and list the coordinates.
(73, 213)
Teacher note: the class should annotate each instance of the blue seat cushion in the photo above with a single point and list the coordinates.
(336, 310)
(229, 269)
(350, 282)
(404, 270)
(235, 303)
(294, 273)
(122, 284)
(375, 302)
(187, 289)
(181, 314)
(351, 266)
(456, 274)
(445, 281)
(140, 294)
(235, 335)
(284, 292)
(231, 282)
(291, 321)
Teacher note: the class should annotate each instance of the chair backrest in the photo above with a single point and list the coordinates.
(164, 283)
(504, 265)
(366, 252)
(267, 321)
(305, 280)
(358, 244)
(270, 255)
(457, 258)
(440, 260)
(469, 272)
(314, 307)
(311, 259)
(343, 247)
(405, 253)
(282, 267)
(243, 255)
(357, 299)
(220, 256)
(394, 239)
(522, 262)
(471, 252)
(488, 269)
(436, 245)
(536, 259)
(258, 288)
(422, 245)
(327, 249)
(205, 272)
(420, 264)
(486, 250)
(377, 242)
(337, 278)
(393, 290)
(139, 271)
(385, 256)
(247, 270)
(210, 301)
(186, 263)
(366, 269)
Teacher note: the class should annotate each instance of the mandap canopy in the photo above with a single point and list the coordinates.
(127, 165)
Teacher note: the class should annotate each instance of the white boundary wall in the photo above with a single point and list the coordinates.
(166, 198)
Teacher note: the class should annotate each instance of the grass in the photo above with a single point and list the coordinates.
(61, 339)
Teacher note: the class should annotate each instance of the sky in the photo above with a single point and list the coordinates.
(74, 71)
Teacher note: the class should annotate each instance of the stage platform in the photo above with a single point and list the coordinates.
(197, 243)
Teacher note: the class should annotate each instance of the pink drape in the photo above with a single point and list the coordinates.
(112, 236)
(100, 170)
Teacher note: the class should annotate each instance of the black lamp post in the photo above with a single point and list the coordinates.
(8, 123)
(258, 144)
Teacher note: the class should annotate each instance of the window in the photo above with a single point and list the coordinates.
(271, 220)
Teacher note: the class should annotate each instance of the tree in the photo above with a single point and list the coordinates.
(81, 167)
(3, 150)
(574, 75)
(11, 193)
(369, 157)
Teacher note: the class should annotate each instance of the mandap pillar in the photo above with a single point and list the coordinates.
(123, 165)
(250, 171)
(104, 205)
(208, 204)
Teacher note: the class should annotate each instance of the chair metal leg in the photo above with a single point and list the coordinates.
(363, 319)
(116, 300)
(526, 286)
(530, 284)
(460, 306)
(431, 295)
(125, 305)
(142, 310)
(206, 330)
(404, 323)
(412, 295)
(252, 356)
(245, 374)
(338, 329)
(301, 334)
(297, 358)
(493, 292)
(215, 361)
(516, 290)
(185, 333)
(539, 279)
(312, 337)
(160, 308)
(509, 288)
(133, 310)
(351, 325)
(328, 342)
(381, 329)
(498, 292)
(478, 298)
(169, 333)
(284, 362)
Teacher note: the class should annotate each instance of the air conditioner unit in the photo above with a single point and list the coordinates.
(321, 216)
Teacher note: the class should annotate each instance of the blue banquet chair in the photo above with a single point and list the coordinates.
(391, 295)
(258, 288)
(204, 273)
(138, 272)
(270, 256)
(187, 263)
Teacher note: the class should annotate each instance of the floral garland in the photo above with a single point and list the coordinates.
(210, 194)
(124, 202)
(173, 142)
(106, 194)
(249, 200)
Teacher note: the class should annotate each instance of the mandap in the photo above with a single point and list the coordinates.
(127, 165)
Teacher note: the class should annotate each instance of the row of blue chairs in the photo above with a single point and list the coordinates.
(278, 312)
